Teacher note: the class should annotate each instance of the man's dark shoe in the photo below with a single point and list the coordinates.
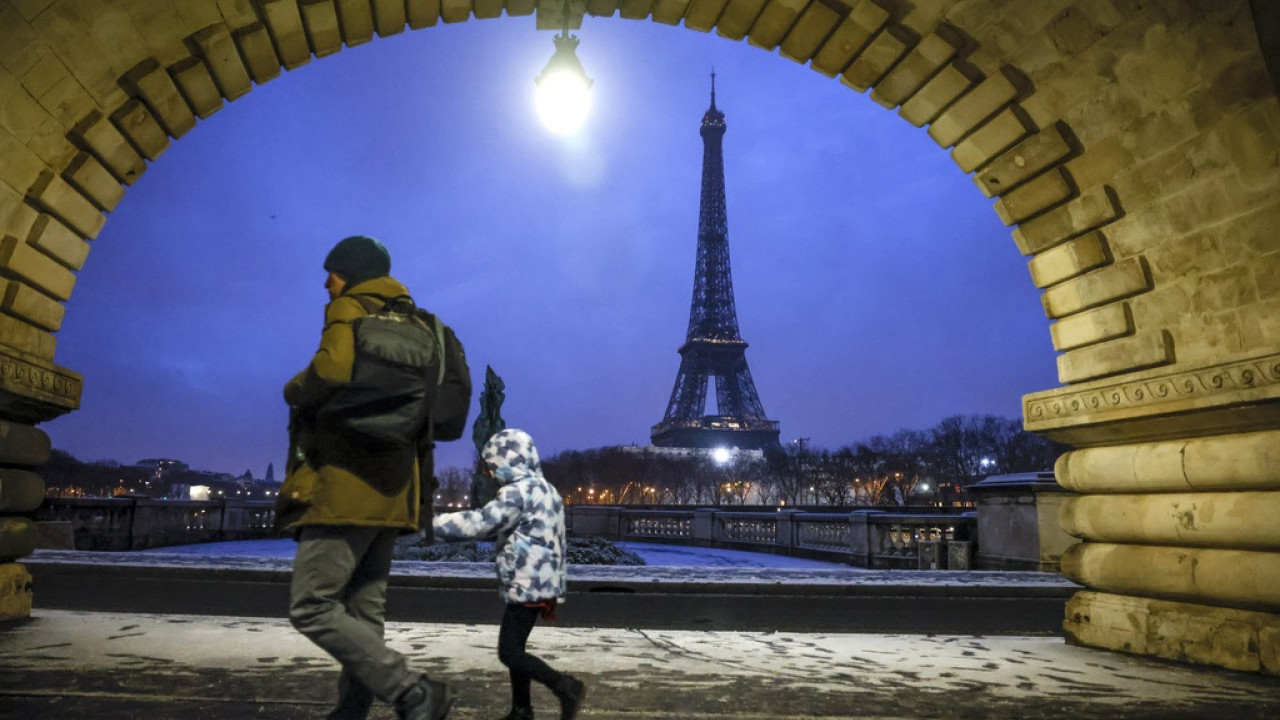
(354, 701)
(519, 713)
(426, 700)
(571, 691)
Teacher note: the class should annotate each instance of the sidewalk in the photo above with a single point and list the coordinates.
(65, 664)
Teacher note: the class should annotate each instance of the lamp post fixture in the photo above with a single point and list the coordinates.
(563, 97)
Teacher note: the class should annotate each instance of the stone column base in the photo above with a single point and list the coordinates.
(15, 591)
(1223, 637)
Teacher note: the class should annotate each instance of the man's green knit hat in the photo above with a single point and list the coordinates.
(358, 258)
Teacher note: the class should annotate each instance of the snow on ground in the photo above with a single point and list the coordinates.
(666, 564)
(654, 555)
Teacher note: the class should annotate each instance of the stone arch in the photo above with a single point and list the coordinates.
(1134, 150)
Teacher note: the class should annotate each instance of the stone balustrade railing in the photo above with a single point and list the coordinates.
(871, 538)
(140, 523)
(1016, 518)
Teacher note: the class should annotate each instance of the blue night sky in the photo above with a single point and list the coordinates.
(874, 282)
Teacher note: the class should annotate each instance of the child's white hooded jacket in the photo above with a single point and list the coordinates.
(525, 520)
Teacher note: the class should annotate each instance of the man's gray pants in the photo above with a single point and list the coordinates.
(338, 599)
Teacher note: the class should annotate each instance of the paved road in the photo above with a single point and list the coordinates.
(607, 603)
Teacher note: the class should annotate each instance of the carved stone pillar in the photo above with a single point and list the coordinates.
(1179, 482)
(31, 391)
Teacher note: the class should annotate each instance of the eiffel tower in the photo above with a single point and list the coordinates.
(712, 347)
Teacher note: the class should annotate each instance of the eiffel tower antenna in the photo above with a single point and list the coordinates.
(713, 347)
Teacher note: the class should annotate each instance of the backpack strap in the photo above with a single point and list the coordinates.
(377, 303)
(439, 327)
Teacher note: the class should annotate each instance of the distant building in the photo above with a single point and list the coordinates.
(160, 468)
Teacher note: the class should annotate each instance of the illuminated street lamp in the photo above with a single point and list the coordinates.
(563, 97)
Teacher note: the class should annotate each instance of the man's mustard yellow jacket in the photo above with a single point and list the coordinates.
(331, 480)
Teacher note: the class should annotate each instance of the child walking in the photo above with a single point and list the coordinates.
(526, 521)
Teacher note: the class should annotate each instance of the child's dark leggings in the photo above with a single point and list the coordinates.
(517, 623)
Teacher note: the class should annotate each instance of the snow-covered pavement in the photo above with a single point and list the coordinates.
(116, 666)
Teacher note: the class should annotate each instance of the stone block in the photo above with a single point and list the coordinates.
(259, 54)
(105, 141)
(1240, 640)
(15, 592)
(702, 14)
(864, 21)
(19, 167)
(1240, 579)
(774, 22)
(159, 20)
(320, 20)
(17, 538)
(814, 26)
(21, 114)
(735, 22)
(488, 9)
(986, 99)
(607, 8)
(67, 101)
(1113, 357)
(113, 30)
(33, 306)
(988, 141)
(1034, 197)
(64, 28)
(196, 84)
(355, 17)
(425, 13)
(284, 22)
(16, 215)
(1092, 326)
(34, 389)
(53, 194)
(1099, 287)
(58, 242)
(1094, 208)
(454, 11)
(874, 61)
(39, 69)
(1071, 258)
(24, 262)
(1018, 523)
(23, 445)
(237, 12)
(1026, 160)
(137, 124)
(21, 491)
(670, 12)
(1269, 649)
(937, 95)
(158, 91)
(389, 16)
(1230, 520)
(1234, 462)
(1227, 288)
(922, 63)
(198, 15)
(219, 50)
(88, 176)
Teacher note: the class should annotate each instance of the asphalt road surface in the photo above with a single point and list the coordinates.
(668, 606)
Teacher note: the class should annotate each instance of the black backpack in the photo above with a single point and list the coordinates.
(399, 365)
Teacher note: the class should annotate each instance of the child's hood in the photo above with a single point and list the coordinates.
(511, 456)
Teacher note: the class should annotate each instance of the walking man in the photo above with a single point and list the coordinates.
(347, 497)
